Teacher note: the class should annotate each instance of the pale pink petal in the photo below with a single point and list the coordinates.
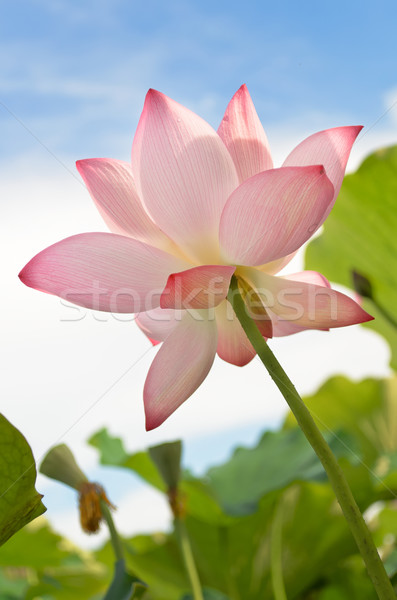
(184, 174)
(199, 287)
(330, 148)
(273, 213)
(158, 323)
(111, 185)
(180, 366)
(308, 277)
(103, 271)
(305, 304)
(244, 136)
(280, 326)
(233, 344)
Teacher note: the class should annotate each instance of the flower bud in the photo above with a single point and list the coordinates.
(60, 464)
(167, 458)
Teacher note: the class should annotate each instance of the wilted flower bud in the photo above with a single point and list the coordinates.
(362, 285)
(90, 497)
(60, 464)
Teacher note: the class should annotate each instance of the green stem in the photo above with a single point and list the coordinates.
(114, 536)
(187, 554)
(276, 553)
(335, 474)
(230, 582)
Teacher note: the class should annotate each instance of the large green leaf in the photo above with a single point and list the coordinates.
(157, 560)
(280, 458)
(236, 559)
(58, 569)
(208, 594)
(367, 410)
(350, 582)
(20, 503)
(36, 546)
(202, 503)
(84, 581)
(360, 235)
(12, 589)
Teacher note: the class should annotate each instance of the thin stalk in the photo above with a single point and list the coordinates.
(276, 553)
(335, 474)
(114, 536)
(224, 558)
(188, 558)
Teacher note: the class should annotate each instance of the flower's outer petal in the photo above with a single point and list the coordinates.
(103, 271)
(158, 323)
(180, 366)
(111, 185)
(233, 344)
(308, 277)
(184, 174)
(273, 213)
(306, 304)
(199, 287)
(330, 148)
(244, 136)
(280, 326)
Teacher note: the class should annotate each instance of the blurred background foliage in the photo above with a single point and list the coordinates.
(268, 513)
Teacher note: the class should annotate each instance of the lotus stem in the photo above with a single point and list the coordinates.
(188, 558)
(114, 536)
(276, 553)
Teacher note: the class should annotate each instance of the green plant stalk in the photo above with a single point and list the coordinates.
(114, 536)
(276, 553)
(335, 474)
(224, 559)
(188, 558)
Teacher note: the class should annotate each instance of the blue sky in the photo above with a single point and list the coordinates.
(75, 74)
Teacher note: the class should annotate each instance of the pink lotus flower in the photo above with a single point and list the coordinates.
(195, 207)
